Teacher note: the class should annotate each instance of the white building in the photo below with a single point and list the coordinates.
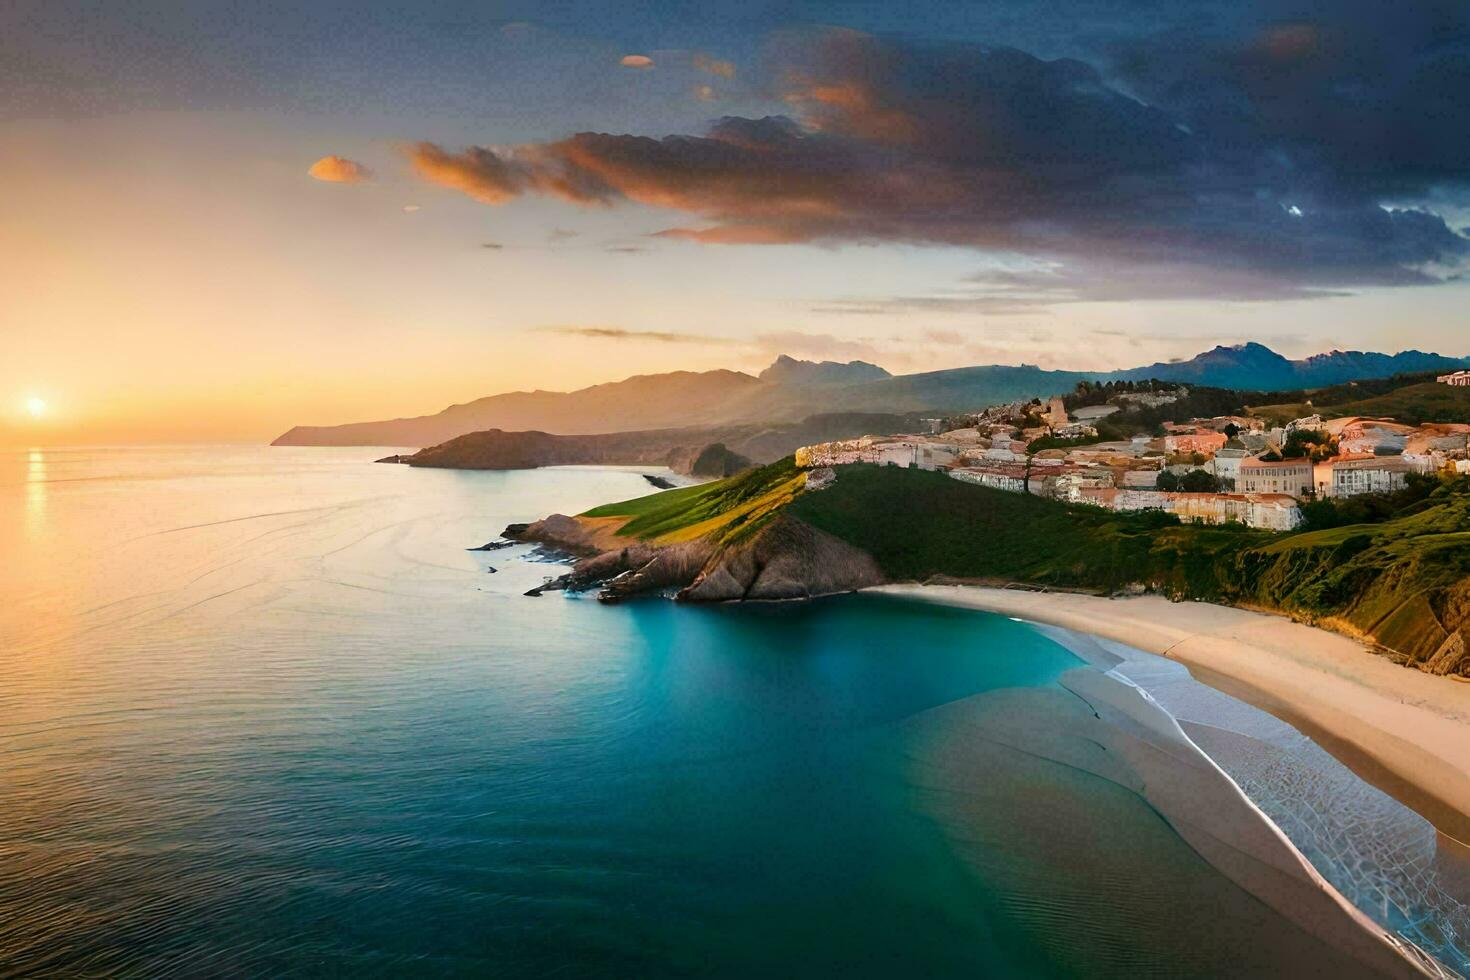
(1459, 379)
(1266, 511)
(1367, 474)
(1226, 464)
(1070, 486)
(1009, 478)
(1289, 476)
(925, 454)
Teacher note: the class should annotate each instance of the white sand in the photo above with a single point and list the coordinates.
(1406, 731)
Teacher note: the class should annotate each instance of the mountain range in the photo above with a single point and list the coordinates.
(791, 389)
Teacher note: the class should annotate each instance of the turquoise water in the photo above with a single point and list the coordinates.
(261, 714)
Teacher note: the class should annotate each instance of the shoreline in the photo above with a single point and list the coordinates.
(1399, 729)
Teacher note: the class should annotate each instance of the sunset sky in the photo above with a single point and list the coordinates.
(220, 222)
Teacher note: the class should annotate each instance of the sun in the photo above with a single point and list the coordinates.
(36, 407)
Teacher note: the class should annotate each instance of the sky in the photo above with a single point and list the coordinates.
(221, 222)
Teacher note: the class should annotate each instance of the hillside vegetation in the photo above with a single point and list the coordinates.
(1413, 404)
(1403, 583)
(1411, 399)
(728, 510)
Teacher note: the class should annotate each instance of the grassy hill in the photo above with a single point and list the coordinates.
(1411, 399)
(729, 509)
(1413, 404)
(919, 524)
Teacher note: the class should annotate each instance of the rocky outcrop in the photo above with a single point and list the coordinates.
(716, 461)
(786, 559)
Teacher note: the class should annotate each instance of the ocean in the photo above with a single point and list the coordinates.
(263, 714)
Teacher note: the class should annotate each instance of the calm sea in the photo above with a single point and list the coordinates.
(262, 714)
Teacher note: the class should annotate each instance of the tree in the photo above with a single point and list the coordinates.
(1231, 430)
(1168, 481)
(1199, 481)
(1315, 444)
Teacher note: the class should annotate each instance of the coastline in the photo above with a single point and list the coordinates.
(1404, 731)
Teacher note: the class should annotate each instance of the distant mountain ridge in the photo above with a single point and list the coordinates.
(1258, 367)
(788, 370)
(791, 389)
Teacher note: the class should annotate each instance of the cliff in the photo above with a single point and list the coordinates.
(721, 541)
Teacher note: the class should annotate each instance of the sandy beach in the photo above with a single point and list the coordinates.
(1402, 730)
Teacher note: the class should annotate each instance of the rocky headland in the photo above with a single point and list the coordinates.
(784, 559)
(707, 452)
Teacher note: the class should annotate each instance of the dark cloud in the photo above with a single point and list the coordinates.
(1340, 98)
(1236, 174)
(618, 333)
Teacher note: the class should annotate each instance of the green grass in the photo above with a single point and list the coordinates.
(730, 509)
(1410, 399)
(1425, 402)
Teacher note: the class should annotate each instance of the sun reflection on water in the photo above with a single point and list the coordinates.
(36, 491)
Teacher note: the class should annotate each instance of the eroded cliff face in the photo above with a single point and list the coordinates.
(786, 559)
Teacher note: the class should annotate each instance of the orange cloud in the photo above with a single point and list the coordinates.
(704, 93)
(725, 69)
(339, 170)
(477, 172)
(636, 61)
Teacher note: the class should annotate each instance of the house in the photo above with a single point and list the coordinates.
(1256, 441)
(1433, 446)
(1269, 511)
(1226, 464)
(1091, 413)
(1200, 441)
(1075, 430)
(997, 476)
(1352, 475)
(1289, 476)
(1373, 436)
(1005, 447)
(1459, 379)
(1069, 486)
(1140, 479)
(1151, 399)
(926, 454)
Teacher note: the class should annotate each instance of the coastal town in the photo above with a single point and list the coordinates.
(1224, 469)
